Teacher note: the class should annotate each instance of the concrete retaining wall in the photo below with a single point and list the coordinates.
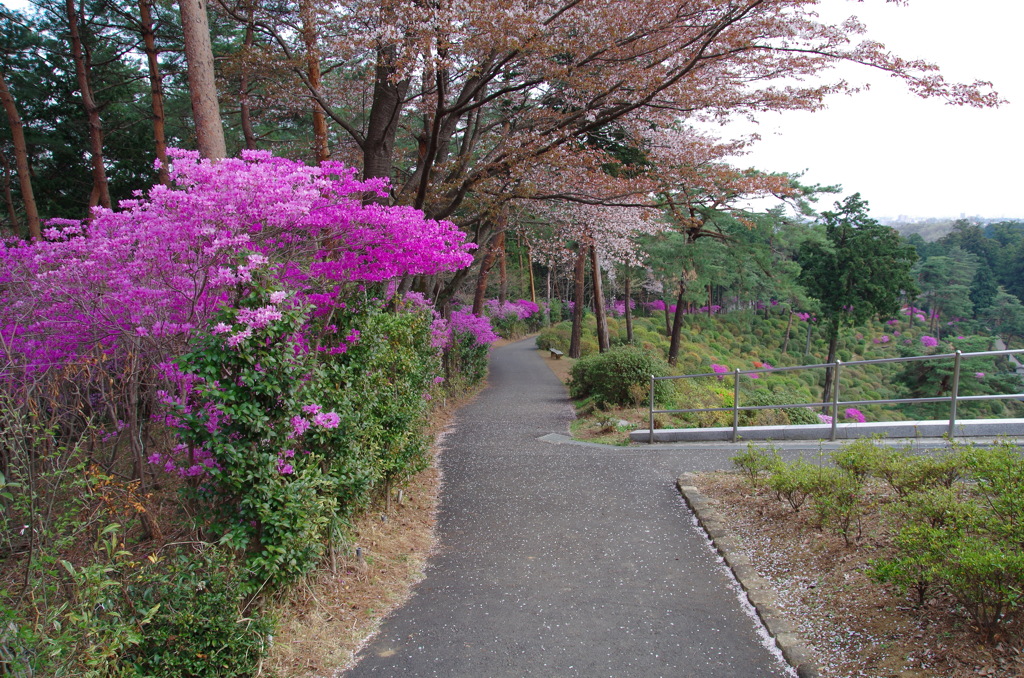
(975, 428)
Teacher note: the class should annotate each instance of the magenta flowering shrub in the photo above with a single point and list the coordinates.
(929, 342)
(656, 305)
(512, 318)
(287, 439)
(233, 303)
(855, 414)
(160, 265)
(618, 307)
(476, 326)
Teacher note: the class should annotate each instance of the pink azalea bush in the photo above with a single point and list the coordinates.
(855, 414)
(240, 300)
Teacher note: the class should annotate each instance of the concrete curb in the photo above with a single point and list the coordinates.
(759, 591)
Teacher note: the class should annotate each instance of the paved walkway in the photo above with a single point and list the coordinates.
(565, 559)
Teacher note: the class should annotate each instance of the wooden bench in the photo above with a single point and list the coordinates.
(555, 353)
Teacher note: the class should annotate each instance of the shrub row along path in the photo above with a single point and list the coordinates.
(564, 559)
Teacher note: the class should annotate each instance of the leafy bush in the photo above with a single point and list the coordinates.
(756, 461)
(198, 629)
(556, 336)
(836, 500)
(965, 541)
(81, 618)
(612, 377)
(795, 482)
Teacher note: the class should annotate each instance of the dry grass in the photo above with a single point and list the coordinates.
(326, 618)
(330, 614)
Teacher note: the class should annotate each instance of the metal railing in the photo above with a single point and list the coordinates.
(835, 403)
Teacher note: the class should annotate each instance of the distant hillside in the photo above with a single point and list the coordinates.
(933, 228)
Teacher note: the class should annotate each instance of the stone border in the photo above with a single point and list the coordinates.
(759, 591)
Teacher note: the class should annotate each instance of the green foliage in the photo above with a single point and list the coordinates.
(556, 336)
(466, 362)
(619, 377)
(862, 269)
(198, 629)
(795, 482)
(80, 620)
(277, 493)
(756, 461)
(964, 539)
(836, 501)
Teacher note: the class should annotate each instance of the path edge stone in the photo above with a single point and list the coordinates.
(759, 591)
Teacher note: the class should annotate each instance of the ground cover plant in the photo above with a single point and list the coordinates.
(759, 340)
(894, 562)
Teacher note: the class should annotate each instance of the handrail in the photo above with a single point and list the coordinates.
(953, 399)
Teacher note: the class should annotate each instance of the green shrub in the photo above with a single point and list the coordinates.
(966, 541)
(863, 457)
(588, 347)
(836, 501)
(618, 376)
(756, 461)
(794, 482)
(199, 630)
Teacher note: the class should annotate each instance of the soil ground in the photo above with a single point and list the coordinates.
(856, 626)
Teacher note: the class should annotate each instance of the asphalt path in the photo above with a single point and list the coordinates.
(565, 559)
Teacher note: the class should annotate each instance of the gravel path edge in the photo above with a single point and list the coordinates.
(759, 591)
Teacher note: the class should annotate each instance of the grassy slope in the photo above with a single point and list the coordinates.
(737, 340)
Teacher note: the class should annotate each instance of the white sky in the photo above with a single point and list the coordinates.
(906, 155)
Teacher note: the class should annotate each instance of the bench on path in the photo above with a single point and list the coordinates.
(555, 353)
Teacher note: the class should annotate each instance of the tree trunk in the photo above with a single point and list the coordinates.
(156, 87)
(382, 126)
(677, 325)
(321, 151)
(807, 346)
(685, 276)
(100, 189)
(579, 279)
(533, 284)
(21, 159)
(495, 242)
(201, 79)
(629, 313)
(12, 213)
(789, 326)
(547, 307)
(244, 111)
(833, 342)
(502, 266)
(599, 310)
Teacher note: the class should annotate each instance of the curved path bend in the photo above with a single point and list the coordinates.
(564, 559)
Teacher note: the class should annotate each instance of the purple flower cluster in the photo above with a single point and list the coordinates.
(159, 266)
(855, 414)
(929, 342)
(477, 326)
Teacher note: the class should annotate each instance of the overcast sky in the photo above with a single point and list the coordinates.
(906, 155)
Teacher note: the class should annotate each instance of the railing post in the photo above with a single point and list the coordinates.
(835, 398)
(735, 403)
(956, 389)
(650, 411)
